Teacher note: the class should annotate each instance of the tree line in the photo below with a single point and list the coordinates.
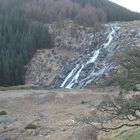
(113, 11)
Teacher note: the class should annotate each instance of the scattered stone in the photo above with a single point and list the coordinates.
(43, 114)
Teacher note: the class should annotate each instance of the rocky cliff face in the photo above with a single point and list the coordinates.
(81, 56)
(71, 42)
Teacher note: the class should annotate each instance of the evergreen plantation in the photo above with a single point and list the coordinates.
(19, 40)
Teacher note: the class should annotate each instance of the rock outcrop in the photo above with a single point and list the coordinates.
(71, 42)
(74, 45)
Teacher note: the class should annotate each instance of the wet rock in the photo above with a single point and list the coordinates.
(57, 82)
(138, 35)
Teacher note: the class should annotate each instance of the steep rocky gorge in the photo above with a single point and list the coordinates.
(81, 56)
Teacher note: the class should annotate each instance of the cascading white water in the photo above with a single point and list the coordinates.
(109, 38)
(70, 75)
(94, 57)
(73, 76)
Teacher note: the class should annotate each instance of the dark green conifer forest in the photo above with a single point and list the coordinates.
(19, 40)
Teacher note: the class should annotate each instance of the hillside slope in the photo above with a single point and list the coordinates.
(54, 112)
(114, 11)
(74, 44)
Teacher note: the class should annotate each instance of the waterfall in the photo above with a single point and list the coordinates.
(94, 57)
(70, 75)
(73, 78)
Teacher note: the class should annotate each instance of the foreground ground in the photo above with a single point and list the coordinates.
(53, 112)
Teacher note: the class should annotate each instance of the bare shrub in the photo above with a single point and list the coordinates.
(128, 73)
(114, 113)
(102, 16)
(87, 15)
(53, 10)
